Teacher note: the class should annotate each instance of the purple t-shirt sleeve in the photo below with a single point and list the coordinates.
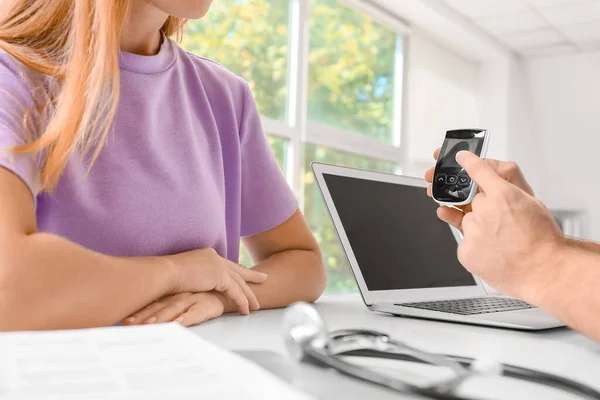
(15, 102)
(267, 200)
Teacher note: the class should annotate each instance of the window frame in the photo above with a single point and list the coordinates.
(299, 130)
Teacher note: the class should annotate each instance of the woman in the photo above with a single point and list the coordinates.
(129, 170)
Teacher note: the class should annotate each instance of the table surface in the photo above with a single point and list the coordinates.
(560, 351)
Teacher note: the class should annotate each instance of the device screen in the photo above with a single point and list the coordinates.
(395, 235)
(451, 183)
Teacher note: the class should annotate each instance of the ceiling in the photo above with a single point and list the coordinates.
(536, 27)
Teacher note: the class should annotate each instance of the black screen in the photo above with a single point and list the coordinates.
(395, 234)
(451, 183)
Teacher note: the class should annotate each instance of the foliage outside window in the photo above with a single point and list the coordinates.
(351, 71)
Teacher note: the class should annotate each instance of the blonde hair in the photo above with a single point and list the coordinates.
(75, 43)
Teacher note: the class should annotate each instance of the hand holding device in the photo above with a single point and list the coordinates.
(451, 183)
(510, 239)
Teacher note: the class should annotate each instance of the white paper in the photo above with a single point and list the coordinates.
(143, 362)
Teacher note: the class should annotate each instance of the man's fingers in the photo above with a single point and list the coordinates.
(512, 173)
(468, 224)
(430, 171)
(451, 216)
(479, 171)
(430, 191)
(436, 153)
(477, 200)
(429, 175)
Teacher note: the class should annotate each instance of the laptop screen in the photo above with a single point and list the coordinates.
(395, 235)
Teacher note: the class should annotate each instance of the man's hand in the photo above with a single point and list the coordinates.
(510, 239)
(508, 170)
(186, 308)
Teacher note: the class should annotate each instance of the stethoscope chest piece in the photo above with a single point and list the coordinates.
(303, 328)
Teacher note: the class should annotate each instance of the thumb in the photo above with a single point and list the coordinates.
(479, 171)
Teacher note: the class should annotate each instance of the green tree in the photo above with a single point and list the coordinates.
(351, 71)
(350, 86)
(250, 38)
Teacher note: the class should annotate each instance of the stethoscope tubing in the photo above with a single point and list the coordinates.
(325, 360)
(508, 370)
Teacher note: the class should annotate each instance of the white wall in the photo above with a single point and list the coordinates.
(446, 90)
(507, 111)
(566, 112)
(442, 93)
(524, 141)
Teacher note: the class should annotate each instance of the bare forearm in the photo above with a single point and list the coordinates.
(293, 275)
(51, 283)
(571, 292)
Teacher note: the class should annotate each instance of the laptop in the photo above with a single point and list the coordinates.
(404, 259)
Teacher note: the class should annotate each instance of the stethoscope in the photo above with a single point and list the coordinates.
(308, 340)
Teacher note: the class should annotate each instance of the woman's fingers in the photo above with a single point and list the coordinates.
(233, 290)
(174, 308)
(238, 290)
(206, 305)
(242, 275)
(436, 153)
(145, 315)
(252, 300)
(200, 313)
(248, 274)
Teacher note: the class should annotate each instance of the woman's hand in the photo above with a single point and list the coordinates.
(186, 308)
(204, 271)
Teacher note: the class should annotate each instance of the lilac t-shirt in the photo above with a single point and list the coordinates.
(186, 166)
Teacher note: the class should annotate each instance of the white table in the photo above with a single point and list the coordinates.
(560, 351)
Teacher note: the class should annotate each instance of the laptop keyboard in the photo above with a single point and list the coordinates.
(472, 306)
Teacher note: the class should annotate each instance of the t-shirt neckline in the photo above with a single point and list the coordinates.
(160, 62)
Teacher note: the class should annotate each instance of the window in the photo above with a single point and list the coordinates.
(250, 38)
(331, 94)
(351, 71)
(280, 149)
